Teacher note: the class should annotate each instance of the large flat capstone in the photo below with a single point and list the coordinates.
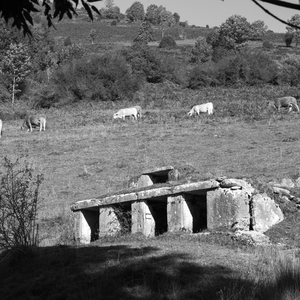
(152, 193)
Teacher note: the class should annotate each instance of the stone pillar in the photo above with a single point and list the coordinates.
(142, 219)
(86, 226)
(179, 214)
(108, 221)
(144, 181)
(228, 208)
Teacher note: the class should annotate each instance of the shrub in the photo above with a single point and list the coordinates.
(114, 23)
(18, 207)
(67, 42)
(288, 39)
(201, 51)
(290, 70)
(145, 62)
(267, 44)
(167, 42)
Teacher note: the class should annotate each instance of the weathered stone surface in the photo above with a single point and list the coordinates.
(282, 192)
(146, 194)
(144, 181)
(253, 238)
(173, 175)
(229, 183)
(228, 208)
(266, 212)
(158, 171)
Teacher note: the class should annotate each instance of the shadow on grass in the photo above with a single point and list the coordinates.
(120, 272)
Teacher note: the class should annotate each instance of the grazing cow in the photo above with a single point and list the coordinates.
(34, 121)
(202, 108)
(288, 102)
(126, 112)
(139, 111)
(1, 128)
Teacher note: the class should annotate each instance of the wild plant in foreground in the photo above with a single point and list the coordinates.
(19, 191)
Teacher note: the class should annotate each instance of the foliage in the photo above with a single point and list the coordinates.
(165, 20)
(21, 11)
(201, 51)
(19, 194)
(236, 28)
(151, 15)
(295, 20)
(16, 65)
(248, 67)
(288, 39)
(68, 42)
(145, 34)
(176, 18)
(145, 62)
(267, 44)
(135, 12)
(259, 30)
(167, 42)
(112, 12)
(290, 70)
(69, 53)
(105, 78)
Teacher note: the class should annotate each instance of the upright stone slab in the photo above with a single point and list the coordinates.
(86, 226)
(142, 219)
(108, 221)
(266, 212)
(228, 208)
(144, 181)
(178, 214)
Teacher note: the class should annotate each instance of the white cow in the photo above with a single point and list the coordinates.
(202, 108)
(289, 102)
(1, 128)
(34, 121)
(126, 112)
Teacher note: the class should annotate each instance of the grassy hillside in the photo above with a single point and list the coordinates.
(78, 30)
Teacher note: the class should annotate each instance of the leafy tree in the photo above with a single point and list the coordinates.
(16, 65)
(295, 20)
(165, 20)
(135, 12)
(176, 18)
(21, 11)
(152, 14)
(236, 28)
(145, 34)
(109, 4)
(93, 35)
(259, 29)
(201, 52)
(167, 42)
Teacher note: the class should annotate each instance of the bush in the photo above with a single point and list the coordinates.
(18, 207)
(201, 52)
(67, 42)
(288, 38)
(114, 23)
(106, 78)
(167, 42)
(267, 44)
(290, 70)
(145, 62)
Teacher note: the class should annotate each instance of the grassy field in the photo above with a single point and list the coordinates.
(84, 153)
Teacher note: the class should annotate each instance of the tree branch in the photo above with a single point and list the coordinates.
(279, 3)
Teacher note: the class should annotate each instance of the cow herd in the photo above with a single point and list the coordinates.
(135, 112)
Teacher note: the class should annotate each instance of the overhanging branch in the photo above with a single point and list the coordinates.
(282, 4)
